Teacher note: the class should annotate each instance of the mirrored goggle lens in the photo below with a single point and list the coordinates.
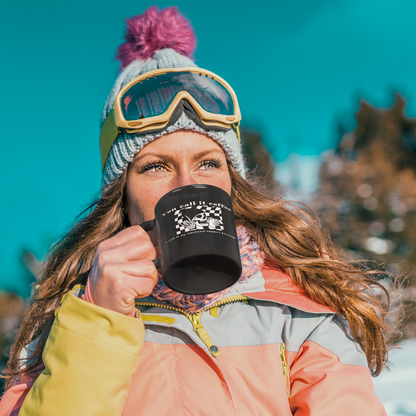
(152, 97)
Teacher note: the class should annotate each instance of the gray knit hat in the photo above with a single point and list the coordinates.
(145, 50)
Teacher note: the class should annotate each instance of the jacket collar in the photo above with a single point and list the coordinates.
(279, 287)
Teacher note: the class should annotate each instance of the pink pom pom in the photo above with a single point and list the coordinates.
(154, 30)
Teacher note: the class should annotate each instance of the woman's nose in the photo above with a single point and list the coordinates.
(186, 178)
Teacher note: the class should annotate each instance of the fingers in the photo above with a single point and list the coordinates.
(141, 277)
(131, 279)
(137, 249)
(115, 286)
(138, 268)
(131, 233)
(132, 243)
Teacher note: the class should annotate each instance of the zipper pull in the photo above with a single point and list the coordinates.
(214, 311)
(285, 369)
(203, 334)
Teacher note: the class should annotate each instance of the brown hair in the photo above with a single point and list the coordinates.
(291, 238)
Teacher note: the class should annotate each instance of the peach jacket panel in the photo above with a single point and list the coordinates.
(266, 349)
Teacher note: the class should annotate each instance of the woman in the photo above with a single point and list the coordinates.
(297, 334)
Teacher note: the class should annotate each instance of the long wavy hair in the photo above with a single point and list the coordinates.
(291, 237)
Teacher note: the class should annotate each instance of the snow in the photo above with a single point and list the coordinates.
(397, 387)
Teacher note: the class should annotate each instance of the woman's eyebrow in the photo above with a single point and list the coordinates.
(207, 152)
(168, 158)
(156, 155)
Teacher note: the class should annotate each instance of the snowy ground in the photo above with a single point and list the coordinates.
(397, 388)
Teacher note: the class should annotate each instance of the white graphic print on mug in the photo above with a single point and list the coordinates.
(209, 217)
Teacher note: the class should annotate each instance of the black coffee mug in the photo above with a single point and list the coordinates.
(197, 237)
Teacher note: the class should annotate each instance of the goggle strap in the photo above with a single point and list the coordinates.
(108, 135)
(236, 127)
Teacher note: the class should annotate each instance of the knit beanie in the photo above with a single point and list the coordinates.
(157, 40)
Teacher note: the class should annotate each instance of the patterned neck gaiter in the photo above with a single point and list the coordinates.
(252, 259)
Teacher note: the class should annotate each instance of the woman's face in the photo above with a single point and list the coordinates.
(176, 159)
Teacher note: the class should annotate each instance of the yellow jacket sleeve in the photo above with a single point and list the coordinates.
(90, 358)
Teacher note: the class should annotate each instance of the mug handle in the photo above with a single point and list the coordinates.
(151, 226)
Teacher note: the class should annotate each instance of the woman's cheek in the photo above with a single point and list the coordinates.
(142, 205)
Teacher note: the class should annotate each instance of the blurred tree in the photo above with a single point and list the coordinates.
(367, 192)
(257, 157)
(12, 308)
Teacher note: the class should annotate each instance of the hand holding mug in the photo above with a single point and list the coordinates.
(123, 270)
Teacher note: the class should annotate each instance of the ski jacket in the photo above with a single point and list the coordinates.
(265, 349)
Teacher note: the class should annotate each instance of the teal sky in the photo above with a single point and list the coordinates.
(298, 67)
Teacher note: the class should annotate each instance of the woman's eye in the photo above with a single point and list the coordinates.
(210, 164)
(153, 167)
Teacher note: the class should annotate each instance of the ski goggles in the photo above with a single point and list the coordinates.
(147, 103)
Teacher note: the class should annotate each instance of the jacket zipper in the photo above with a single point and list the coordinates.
(195, 318)
(285, 369)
